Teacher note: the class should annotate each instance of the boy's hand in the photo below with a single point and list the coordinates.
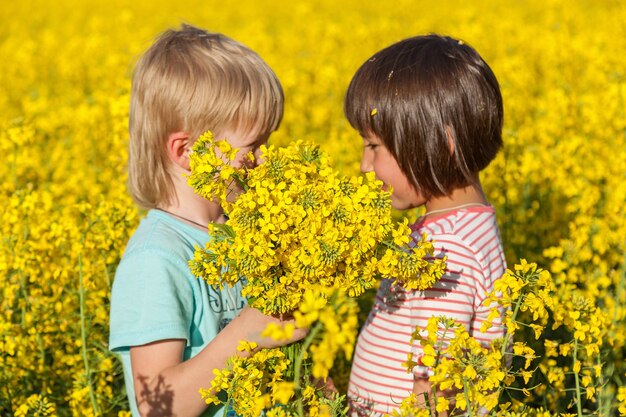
(250, 323)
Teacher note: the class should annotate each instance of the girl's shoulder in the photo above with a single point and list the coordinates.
(454, 221)
(466, 227)
(469, 238)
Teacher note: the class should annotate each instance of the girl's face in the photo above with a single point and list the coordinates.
(377, 158)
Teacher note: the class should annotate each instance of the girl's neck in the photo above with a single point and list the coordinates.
(471, 195)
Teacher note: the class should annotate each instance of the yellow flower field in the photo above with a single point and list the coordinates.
(559, 186)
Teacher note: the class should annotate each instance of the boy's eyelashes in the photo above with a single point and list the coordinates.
(248, 148)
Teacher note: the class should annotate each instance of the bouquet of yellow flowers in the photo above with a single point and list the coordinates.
(300, 224)
(303, 239)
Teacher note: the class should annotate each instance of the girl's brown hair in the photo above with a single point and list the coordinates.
(435, 104)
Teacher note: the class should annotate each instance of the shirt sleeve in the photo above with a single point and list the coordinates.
(151, 300)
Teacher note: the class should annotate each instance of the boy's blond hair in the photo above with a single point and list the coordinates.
(192, 81)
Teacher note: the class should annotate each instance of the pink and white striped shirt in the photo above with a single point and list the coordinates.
(475, 259)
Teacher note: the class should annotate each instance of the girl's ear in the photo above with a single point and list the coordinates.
(178, 148)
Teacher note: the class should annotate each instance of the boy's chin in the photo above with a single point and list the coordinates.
(233, 194)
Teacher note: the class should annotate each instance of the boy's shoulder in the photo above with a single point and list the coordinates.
(160, 233)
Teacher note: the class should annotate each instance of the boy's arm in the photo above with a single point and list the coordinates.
(167, 386)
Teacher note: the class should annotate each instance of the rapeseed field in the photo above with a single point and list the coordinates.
(559, 185)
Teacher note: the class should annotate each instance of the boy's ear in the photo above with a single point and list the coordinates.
(178, 148)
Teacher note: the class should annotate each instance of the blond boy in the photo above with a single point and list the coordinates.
(169, 328)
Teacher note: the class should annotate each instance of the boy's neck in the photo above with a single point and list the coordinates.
(199, 216)
(192, 208)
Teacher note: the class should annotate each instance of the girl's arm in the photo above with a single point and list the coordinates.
(166, 386)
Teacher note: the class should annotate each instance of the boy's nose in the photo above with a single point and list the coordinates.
(258, 157)
(250, 163)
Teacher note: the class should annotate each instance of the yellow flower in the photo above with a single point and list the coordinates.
(469, 372)
(278, 332)
(409, 364)
(559, 203)
(443, 404)
(282, 392)
(429, 355)
(245, 346)
(309, 310)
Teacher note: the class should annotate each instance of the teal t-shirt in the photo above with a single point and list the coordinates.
(155, 296)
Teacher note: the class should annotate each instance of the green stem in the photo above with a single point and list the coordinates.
(576, 379)
(14, 167)
(83, 326)
(107, 274)
(440, 342)
(24, 292)
(600, 395)
(83, 335)
(507, 336)
(227, 406)
(467, 398)
(317, 327)
(428, 403)
(42, 352)
(25, 297)
(432, 407)
(241, 181)
(618, 293)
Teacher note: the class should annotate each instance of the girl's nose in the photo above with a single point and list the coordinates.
(366, 162)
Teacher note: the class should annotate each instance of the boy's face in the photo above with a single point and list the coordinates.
(377, 158)
(245, 142)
